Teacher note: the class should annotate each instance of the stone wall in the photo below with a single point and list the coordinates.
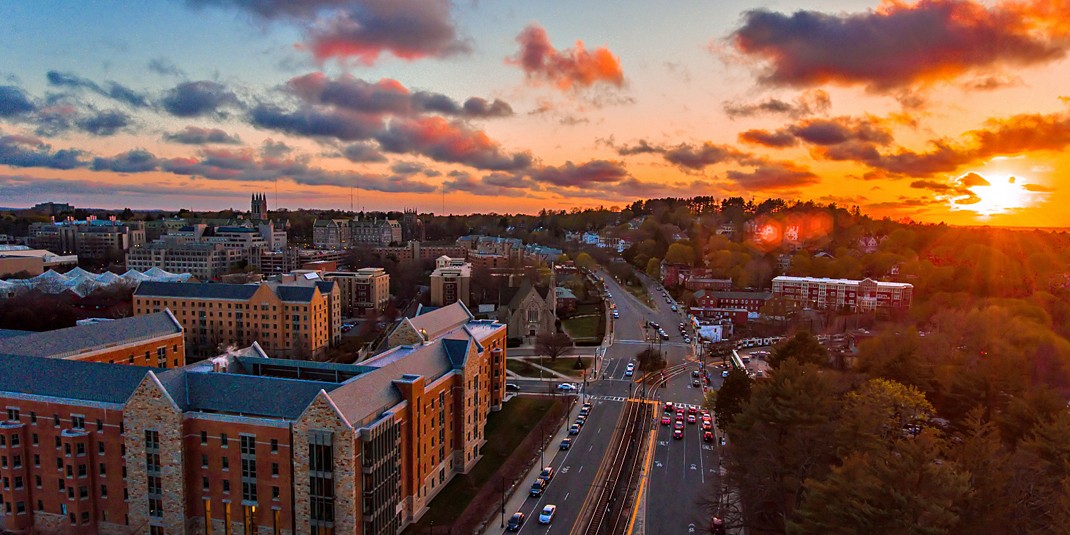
(321, 415)
(149, 407)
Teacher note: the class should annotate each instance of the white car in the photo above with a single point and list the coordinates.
(547, 514)
(567, 387)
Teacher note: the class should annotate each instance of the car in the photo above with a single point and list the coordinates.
(566, 443)
(664, 336)
(585, 411)
(511, 387)
(668, 406)
(692, 410)
(694, 373)
(629, 372)
(574, 429)
(678, 425)
(674, 309)
(679, 414)
(696, 383)
(724, 373)
(678, 434)
(665, 420)
(567, 387)
(655, 325)
(691, 419)
(538, 487)
(707, 436)
(580, 420)
(547, 514)
(687, 339)
(547, 473)
(707, 425)
(616, 315)
(516, 521)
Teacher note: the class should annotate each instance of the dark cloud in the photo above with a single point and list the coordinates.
(565, 69)
(195, 135)
(388, 96)
(641, 147)
(317, 122)
(407, 29)
(165, 67)
(701, 156)
(105, 123)
(14, 101)
(778, 140)
(24, 151)
(899, 45)
(112, 90)
(932, 185)
(585, 175)
(970, 180)
(492, 185)
(769, 175)
(811, 102)
(194, 99)
(414, 168)
(362, 152)
(840, 130)
(275, 9)
(446, 141)
(134, 161)
(275, 149)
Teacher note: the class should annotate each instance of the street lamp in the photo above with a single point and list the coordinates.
(503, 501)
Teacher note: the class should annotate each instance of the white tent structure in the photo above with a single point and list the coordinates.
(82, 283)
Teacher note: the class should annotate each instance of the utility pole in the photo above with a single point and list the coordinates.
(503, 501)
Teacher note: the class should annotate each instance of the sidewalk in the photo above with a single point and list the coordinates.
(518, 493)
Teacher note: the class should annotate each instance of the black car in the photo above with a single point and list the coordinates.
(566, 443)
(516, 521)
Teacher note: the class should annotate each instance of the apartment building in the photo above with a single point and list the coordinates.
(861, 295)
(290, 320)
(206, 261)
(151, 340)
(293, 258)
(21, 259)
(451, 281)
(243, 443)
(92, 238)
(417, 251)
(362, 290)
(374, 232)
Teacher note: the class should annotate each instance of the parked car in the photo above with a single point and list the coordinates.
(516, 521)
(574, 429)
(580, 420)
(566, 443)
(547, 514)
(547, 473)
(538, 487)
(511, 387)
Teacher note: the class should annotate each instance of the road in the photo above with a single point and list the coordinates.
(671, 507)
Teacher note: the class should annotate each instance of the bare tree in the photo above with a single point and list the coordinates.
(552, 344)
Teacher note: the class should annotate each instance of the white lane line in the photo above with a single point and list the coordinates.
(565, 499)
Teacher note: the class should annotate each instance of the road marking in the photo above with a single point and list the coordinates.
(565, 499)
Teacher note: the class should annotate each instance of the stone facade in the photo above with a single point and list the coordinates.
(151, 408)
(322, 415)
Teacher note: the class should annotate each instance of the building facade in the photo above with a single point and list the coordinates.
(363, 290)
(330, 234)
(243, 443)
(451, 281)
(380, 232)
(858, 295)
(206, 261)
(749, 301)
(90, 239)
(298, 321)
(154, 340)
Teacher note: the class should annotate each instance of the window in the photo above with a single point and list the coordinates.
(275, 469)
(80, 448)
(15, 440)
(204, 437)
(37, 481)
(226, 463)
(62, 485)
(204, 483)
(36, 460)
(100, 448)
(77, 421)
(82, 472)
(59, 464)
(223, 439)
(12, 414)
(226, 485)
(58, 443)
(55, 420)
(16, 461)
(100, 425)
(33, 418)
(204, 461)
(33, 438)
(274, 446)
(274, 493)
(103, 491)
(102, 470)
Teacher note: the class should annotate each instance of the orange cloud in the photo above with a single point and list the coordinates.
(565, 69)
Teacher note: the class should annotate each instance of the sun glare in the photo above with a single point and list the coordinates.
(1002, 194)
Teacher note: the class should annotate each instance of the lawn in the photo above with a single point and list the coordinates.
(641, 294)
(585, 327)
(566, 364)
(504, 432)
(521, 367)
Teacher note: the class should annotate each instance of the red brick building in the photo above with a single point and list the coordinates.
(703, 279)
(154, 340)
(749, 301)
(243, 443)
(861, 295)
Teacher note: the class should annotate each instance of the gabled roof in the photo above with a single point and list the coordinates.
(442, 320)
(69, 379)
(251, 395)
(72, 341)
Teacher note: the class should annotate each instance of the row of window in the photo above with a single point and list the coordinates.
(77, 422)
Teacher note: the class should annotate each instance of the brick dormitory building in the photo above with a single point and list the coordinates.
(244, 443)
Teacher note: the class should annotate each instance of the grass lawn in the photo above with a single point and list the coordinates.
(641, 294)
(580, 328)
(566, 364)
(521, 367)
(505, 430)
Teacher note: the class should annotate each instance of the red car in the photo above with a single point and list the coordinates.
(678, 434)
(707, 425)
(707, 436)
(679, 424)
(668, 406)
(665, 420)
(679, 414)
(692, 410)
(691, 419)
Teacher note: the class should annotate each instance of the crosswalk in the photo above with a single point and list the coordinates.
(622, 399)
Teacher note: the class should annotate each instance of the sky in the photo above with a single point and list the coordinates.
(953, 111)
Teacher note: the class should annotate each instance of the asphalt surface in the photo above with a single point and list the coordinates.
(681, 469)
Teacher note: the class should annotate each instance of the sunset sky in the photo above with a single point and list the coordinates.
(937, 110)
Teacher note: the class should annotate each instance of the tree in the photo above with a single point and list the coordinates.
(653, 268)
(908, 490)
(680, 253)
(802, 347)
(584, 261)
(552, 344)
(875, 415)
(733, 394)
(649, 360)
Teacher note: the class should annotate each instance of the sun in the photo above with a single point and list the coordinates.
(992, 195)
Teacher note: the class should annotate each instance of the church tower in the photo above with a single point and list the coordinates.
(259, 207)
